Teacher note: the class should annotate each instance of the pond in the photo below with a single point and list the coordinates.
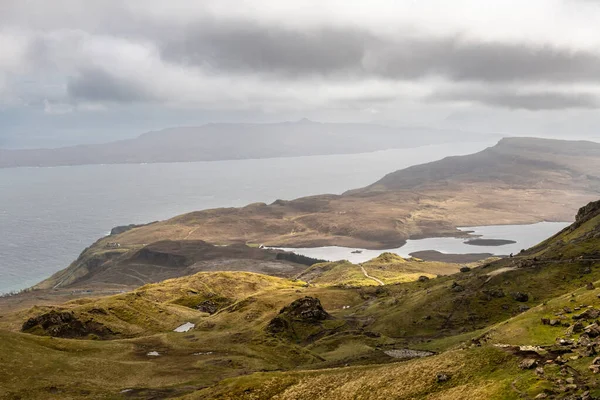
(492, 239)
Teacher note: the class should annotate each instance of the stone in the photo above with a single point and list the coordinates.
(207, 306)
(441, 378)
(523, 308)
(567, 310)
(528, 363)
(590, 286)
(465, 269)
(457, 287)
(589, 314)
(592, 330)
(520, 296)
(577, 327)
(304, 310)
(423, 278)
(554, 322)
(545, 321)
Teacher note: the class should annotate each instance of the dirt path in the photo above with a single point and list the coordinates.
(370, 277)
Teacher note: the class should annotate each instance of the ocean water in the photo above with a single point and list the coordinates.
(49, 215)
(524, 236)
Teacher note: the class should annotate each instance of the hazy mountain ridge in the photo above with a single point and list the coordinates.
(530, 162)
(214, 142)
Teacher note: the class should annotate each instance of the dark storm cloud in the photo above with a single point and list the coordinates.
(96, 84)
(246, 46)
(528, 101)
(250, 47)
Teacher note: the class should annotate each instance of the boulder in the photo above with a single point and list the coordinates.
(423, 278)
(520, 296)
(589, 314)
(456, 287)
(528, 363)
(208, 306)
(592, 330)
(465, 269)
(305, 310)
(441, 377)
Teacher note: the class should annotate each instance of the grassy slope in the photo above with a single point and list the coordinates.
(429, 315)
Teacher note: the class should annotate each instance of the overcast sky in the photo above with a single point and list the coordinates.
(97, 70)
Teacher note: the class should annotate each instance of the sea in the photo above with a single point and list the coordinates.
(49, 215)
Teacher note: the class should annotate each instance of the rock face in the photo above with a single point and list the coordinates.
(208, 306)
(66, 325)
(307, 310)
(587, 212)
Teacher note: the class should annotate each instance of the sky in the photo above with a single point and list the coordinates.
(92, 71)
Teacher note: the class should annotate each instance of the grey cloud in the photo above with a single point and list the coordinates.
(96, 84)
(249, 47)
(548, 100)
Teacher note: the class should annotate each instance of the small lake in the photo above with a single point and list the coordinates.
(524, 236)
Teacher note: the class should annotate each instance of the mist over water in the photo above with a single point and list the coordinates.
(49, 215)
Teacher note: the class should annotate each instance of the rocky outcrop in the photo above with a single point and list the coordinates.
(300, 320)
(65, 325)
(306, 309)
(586, 213)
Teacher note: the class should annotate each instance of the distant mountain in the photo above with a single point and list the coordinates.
(524, 162)
(517, 181)
(237, 141)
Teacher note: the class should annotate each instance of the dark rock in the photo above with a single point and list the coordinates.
(208, 306)
(520, 296)
(528, 363)
(554, 322)
(465, 269)
(307, 309)
(66, 325)
(423, 278)
(545, 321)
(590, 286)
(576, 328)
(441, 377)
(567, 310)
(457, 287)
(592, 330)
(523, 308)
(589, 314)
